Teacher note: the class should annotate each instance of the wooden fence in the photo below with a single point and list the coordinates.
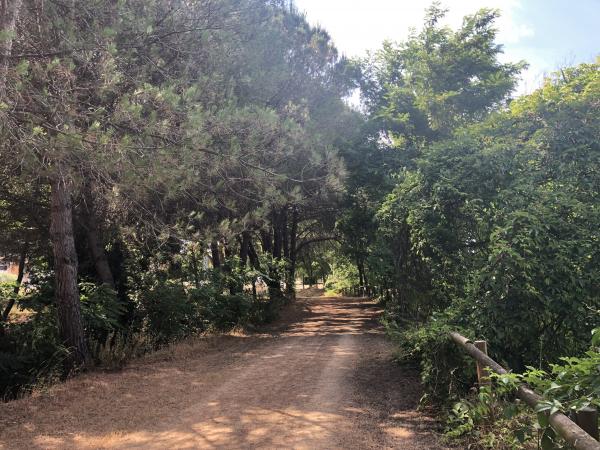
(582, 435)
(386, 294)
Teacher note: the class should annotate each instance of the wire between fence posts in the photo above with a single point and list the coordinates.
(565, 427)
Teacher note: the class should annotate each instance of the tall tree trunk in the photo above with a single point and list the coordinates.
(277, 242)
(65, 272)
(266, 240)
(293, 239)
(96, 247)
(215, 255)
(366, 282)
(9, 14)
(244, 248)
(253, 256)
(194, 262)
(285, 244)
(275, 280)
(360, 272)
(254, 262)
(226, 250)
(233, 285)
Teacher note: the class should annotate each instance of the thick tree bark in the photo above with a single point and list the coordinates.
(19, 280)
(65, 273)
(95, 241)
(9, 14)
(216, 256)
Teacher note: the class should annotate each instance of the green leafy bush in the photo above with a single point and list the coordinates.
(446, 371)
(494, 231)
(491, 419)
(168, 313)
(219, 311)
(494, 418)
(31, 352)
(344, 275)
(101, 309)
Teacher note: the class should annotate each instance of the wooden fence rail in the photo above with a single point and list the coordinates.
(386, 294)
(565, 427)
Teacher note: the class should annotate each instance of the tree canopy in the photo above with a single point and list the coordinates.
(169, 167)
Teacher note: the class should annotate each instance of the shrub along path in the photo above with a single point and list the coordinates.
(321, 378)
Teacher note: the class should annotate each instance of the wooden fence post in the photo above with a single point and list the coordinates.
(482, 372)
(571, 432)
(587, 419)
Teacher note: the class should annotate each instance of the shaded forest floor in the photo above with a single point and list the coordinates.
(321, 377)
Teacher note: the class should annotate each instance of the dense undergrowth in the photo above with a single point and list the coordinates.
(481, 213)
(155, 314)
(186, 154)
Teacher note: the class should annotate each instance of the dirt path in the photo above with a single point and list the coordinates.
(322, 378)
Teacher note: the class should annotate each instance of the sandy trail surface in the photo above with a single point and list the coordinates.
(322, 377)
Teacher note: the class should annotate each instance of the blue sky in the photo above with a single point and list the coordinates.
(547, 34)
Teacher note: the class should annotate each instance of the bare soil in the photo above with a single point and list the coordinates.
(322, 377)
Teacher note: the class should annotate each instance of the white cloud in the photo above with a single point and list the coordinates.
(357, 26)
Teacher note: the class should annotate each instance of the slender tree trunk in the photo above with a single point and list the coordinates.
(253, 256)
(360, 272)
(233, 285)
(285, 244)
(293, 239)
(266, 240)
(65, 273)
(216, 256)
(226, 250)
(254, 262)
(95, 241)
(194, 262)
(9, 14)
(244, 247)
(277, 241)
(275, 283)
